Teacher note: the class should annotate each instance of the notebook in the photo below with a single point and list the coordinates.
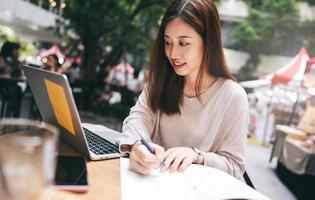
(197, 182)
(56, 104)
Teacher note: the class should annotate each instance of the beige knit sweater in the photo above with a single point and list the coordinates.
(217, 126)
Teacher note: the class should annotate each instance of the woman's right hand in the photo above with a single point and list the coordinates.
(142, 161)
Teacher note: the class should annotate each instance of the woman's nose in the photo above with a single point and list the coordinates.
(174, 53)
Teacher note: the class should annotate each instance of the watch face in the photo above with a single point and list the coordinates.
(199, 158)
(196, 150)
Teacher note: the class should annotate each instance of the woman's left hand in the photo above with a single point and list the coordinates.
(177, 159)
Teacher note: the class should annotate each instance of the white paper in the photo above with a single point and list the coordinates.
(195, 183)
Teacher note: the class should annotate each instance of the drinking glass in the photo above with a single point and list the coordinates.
(28, 151)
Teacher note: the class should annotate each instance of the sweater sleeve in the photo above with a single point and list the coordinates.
(230, 156)
(139, 122)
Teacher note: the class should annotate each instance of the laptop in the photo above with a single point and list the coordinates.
(56, 104)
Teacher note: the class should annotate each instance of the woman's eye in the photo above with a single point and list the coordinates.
(167, 43)
(183, 44)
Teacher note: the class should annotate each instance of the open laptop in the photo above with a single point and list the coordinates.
(56, 104)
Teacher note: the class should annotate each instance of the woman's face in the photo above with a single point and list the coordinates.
(183, 48)
(51, 61)
(16, 53)
(2, 63)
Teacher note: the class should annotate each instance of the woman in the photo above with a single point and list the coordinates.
(52, 64)
(191, 108)
(11, 91)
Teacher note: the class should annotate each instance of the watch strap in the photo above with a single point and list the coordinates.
(199, 158)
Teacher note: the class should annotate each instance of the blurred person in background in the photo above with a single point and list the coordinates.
(4, 76)
(52, 64)
(4, 71)
(73, 72)
(253, 115)
(12, 92)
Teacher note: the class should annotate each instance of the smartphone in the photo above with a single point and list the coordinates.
(71, 174)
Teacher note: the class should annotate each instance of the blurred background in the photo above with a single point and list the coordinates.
(103, 46)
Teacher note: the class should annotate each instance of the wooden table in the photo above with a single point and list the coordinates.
(104, 183)
(296, 168)
(103, 178)
(281, 133)
(298, 158)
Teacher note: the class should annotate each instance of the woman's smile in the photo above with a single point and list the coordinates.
(178, 64)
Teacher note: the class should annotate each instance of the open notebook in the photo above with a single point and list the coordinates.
(195, 183)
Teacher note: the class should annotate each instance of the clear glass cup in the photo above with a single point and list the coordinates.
(28, 151)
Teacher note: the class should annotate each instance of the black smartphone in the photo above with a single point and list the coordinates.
(71, 173)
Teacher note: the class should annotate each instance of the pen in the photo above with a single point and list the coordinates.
(142, 140)
(146, 144)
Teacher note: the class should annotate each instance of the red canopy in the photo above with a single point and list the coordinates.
(292, 73)
(52, 50)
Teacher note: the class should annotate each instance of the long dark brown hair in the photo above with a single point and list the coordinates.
(164, 85)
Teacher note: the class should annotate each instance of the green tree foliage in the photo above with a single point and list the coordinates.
(3, 36)
(26, 48)
(272, 27)
(311, 2)
(110, 29)
(308, 30)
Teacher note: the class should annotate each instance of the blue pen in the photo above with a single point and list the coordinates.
(142, 140)
(151, 149)
(146, 144)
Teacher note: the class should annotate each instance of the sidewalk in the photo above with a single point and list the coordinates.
(263, 175)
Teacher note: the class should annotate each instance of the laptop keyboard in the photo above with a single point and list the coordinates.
(99, 145)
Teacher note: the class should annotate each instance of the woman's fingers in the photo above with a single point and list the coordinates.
(143, 153)
(184, 164)
(177, 159)
(159, 155)
(176, 162)
(168, 159)
(174, 159)
(139, 168)
(159, 152)
(142, 160)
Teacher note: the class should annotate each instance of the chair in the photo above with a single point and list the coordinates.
(247, 180)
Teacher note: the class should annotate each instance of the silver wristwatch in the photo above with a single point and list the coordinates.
(199, 158)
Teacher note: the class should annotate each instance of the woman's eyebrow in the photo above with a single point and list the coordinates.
(181, 36)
